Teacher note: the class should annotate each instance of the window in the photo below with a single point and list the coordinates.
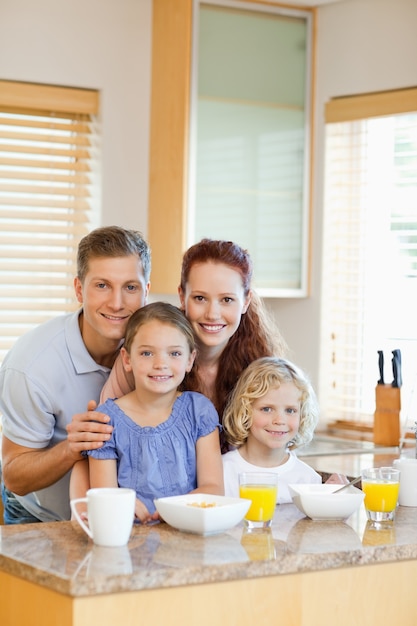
(47, 191)
(370, 252)
(249, 155)
(261, 200)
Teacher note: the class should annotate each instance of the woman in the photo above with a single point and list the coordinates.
(228, 319)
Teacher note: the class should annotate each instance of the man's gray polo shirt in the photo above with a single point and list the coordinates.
(45, 379)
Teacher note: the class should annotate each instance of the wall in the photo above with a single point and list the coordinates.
(363, 45)
(98, 44)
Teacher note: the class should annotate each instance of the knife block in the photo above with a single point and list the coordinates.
(387, 415)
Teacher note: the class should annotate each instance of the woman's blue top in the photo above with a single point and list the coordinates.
(158, 461)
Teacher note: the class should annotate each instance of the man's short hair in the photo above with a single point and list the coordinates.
(113, 241)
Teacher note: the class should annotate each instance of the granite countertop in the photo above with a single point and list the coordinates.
(60, 556)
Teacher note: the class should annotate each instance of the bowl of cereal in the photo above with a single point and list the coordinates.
(200, 513)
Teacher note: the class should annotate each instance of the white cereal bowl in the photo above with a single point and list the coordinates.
(319, 503)
(201, 513)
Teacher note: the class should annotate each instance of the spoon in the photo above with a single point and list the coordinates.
(352, 482)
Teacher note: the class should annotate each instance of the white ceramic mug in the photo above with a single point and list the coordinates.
(110, 513)
(408, 481)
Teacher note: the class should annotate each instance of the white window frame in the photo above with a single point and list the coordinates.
(286, 267)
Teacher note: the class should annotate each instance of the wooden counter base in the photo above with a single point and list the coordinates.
(371, 594)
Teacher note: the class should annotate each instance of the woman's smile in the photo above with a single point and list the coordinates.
(213, 328)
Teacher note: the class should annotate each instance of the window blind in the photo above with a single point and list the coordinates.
(370, 251)
(48, 156)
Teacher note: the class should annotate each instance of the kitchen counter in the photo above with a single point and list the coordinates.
(60, 556)
(306, 572)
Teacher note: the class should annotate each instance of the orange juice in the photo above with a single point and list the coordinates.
(263, 498)
(381, 496)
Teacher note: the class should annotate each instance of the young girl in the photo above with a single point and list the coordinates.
(164, 442)
(229, 322)
(272, 409)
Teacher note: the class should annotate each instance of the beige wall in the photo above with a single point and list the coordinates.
(363, 45)
(100, 44)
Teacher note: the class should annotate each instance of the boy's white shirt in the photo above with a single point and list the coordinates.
(291, 472)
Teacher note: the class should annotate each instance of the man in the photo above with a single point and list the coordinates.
(56, 371)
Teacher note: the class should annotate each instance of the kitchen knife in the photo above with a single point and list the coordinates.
(381, 367)
(396, 368)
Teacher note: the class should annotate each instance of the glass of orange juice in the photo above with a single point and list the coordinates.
(262, 489)
(380, 486)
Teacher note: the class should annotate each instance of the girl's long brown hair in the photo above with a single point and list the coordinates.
(256, 336)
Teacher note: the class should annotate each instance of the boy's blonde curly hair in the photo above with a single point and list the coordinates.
(255, 381)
